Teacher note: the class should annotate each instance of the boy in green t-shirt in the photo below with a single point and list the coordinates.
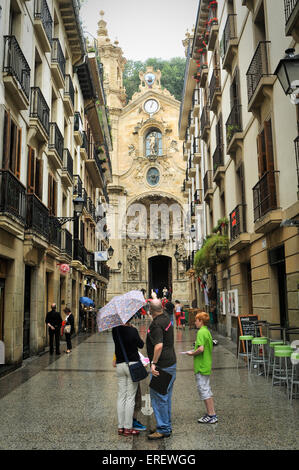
(203, 365)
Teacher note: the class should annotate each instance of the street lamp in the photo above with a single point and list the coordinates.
(287, 73)
(78, 209)
(119, 264)
(110, 252)
(193, 232)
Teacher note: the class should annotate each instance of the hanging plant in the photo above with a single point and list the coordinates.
(214, 250)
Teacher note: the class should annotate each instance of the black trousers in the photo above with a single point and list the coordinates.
(55, 333)
(68, 340)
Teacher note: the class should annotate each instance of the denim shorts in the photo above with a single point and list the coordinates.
(203, 386)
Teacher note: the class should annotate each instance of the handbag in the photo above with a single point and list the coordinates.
(67, 329)
(137, 370)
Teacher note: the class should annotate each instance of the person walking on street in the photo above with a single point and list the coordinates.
(178, 309)
(183, 319)
(203, 365)
(69, 322)
(169, 309)
(161, 353)
(129, 336)
(54, 322)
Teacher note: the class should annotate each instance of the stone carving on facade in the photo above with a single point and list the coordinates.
(132, 150)
(133, 258)
(159, 246)
(173, 146)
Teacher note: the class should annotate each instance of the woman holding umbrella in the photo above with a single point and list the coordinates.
(117, 315)
(127, 389)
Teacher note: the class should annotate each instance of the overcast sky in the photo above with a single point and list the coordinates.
(144, 28)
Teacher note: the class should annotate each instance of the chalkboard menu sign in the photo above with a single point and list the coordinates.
(247, 327)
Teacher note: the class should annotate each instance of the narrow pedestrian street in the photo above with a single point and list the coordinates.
(68, 402)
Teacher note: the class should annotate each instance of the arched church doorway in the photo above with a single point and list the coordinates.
(160, 273)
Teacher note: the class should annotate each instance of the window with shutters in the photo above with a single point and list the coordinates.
(52, 195)
(264, 192)
(34, 174)
(12, 145)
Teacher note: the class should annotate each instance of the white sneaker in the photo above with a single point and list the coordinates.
(206, 419)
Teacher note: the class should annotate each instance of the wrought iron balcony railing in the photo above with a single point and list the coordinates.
(215, 86)
(77, 186)
(208, 181)
(78, 253)
(196, 97)
(105, 271)
(258, 68)
(197, 196)
(42, 12)
(264, 195)
(237, 220)
(289, 7)
(91, 209)
(15, 64)
(56, 141)
(229, 33)
(57, 55)
(68, 162)
(39, 109)
(69, 89)
(90, 263)
(218, 158)
(37, 216)
(78, 125)
(196, 145)
(212, 17)
(54, 232)
(234, 123)
(85, 144)
(66, 242)
(204, 120)
(12, 196)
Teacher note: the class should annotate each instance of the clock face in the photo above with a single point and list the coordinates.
(150, 78)
(151, 106)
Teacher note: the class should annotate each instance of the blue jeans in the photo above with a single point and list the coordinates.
(162, 404)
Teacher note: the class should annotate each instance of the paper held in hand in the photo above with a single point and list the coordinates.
(186, 352)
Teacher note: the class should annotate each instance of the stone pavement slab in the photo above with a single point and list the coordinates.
(69, 402)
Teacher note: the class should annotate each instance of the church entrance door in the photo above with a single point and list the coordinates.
(160, 273)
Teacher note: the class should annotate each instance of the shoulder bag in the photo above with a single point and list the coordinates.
(137, 370)
(67, 329)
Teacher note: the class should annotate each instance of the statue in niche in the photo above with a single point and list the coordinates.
(133, 258)
(153, 143)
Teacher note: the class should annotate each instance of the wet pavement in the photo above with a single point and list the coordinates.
(69, 402)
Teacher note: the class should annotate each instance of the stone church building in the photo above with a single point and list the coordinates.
(147, 214)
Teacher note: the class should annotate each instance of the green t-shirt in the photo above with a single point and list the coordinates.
(203, 361)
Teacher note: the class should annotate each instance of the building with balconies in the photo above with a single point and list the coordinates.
(249, 166)
(55, 146)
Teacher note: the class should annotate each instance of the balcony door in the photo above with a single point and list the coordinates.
(277, 262)
(27, 308)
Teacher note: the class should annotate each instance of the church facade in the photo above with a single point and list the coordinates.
(147, 216)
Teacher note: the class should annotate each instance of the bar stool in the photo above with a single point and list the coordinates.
(271, 346)
(281, 371)
(295, 370)
(257, 344)
(246, 354)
